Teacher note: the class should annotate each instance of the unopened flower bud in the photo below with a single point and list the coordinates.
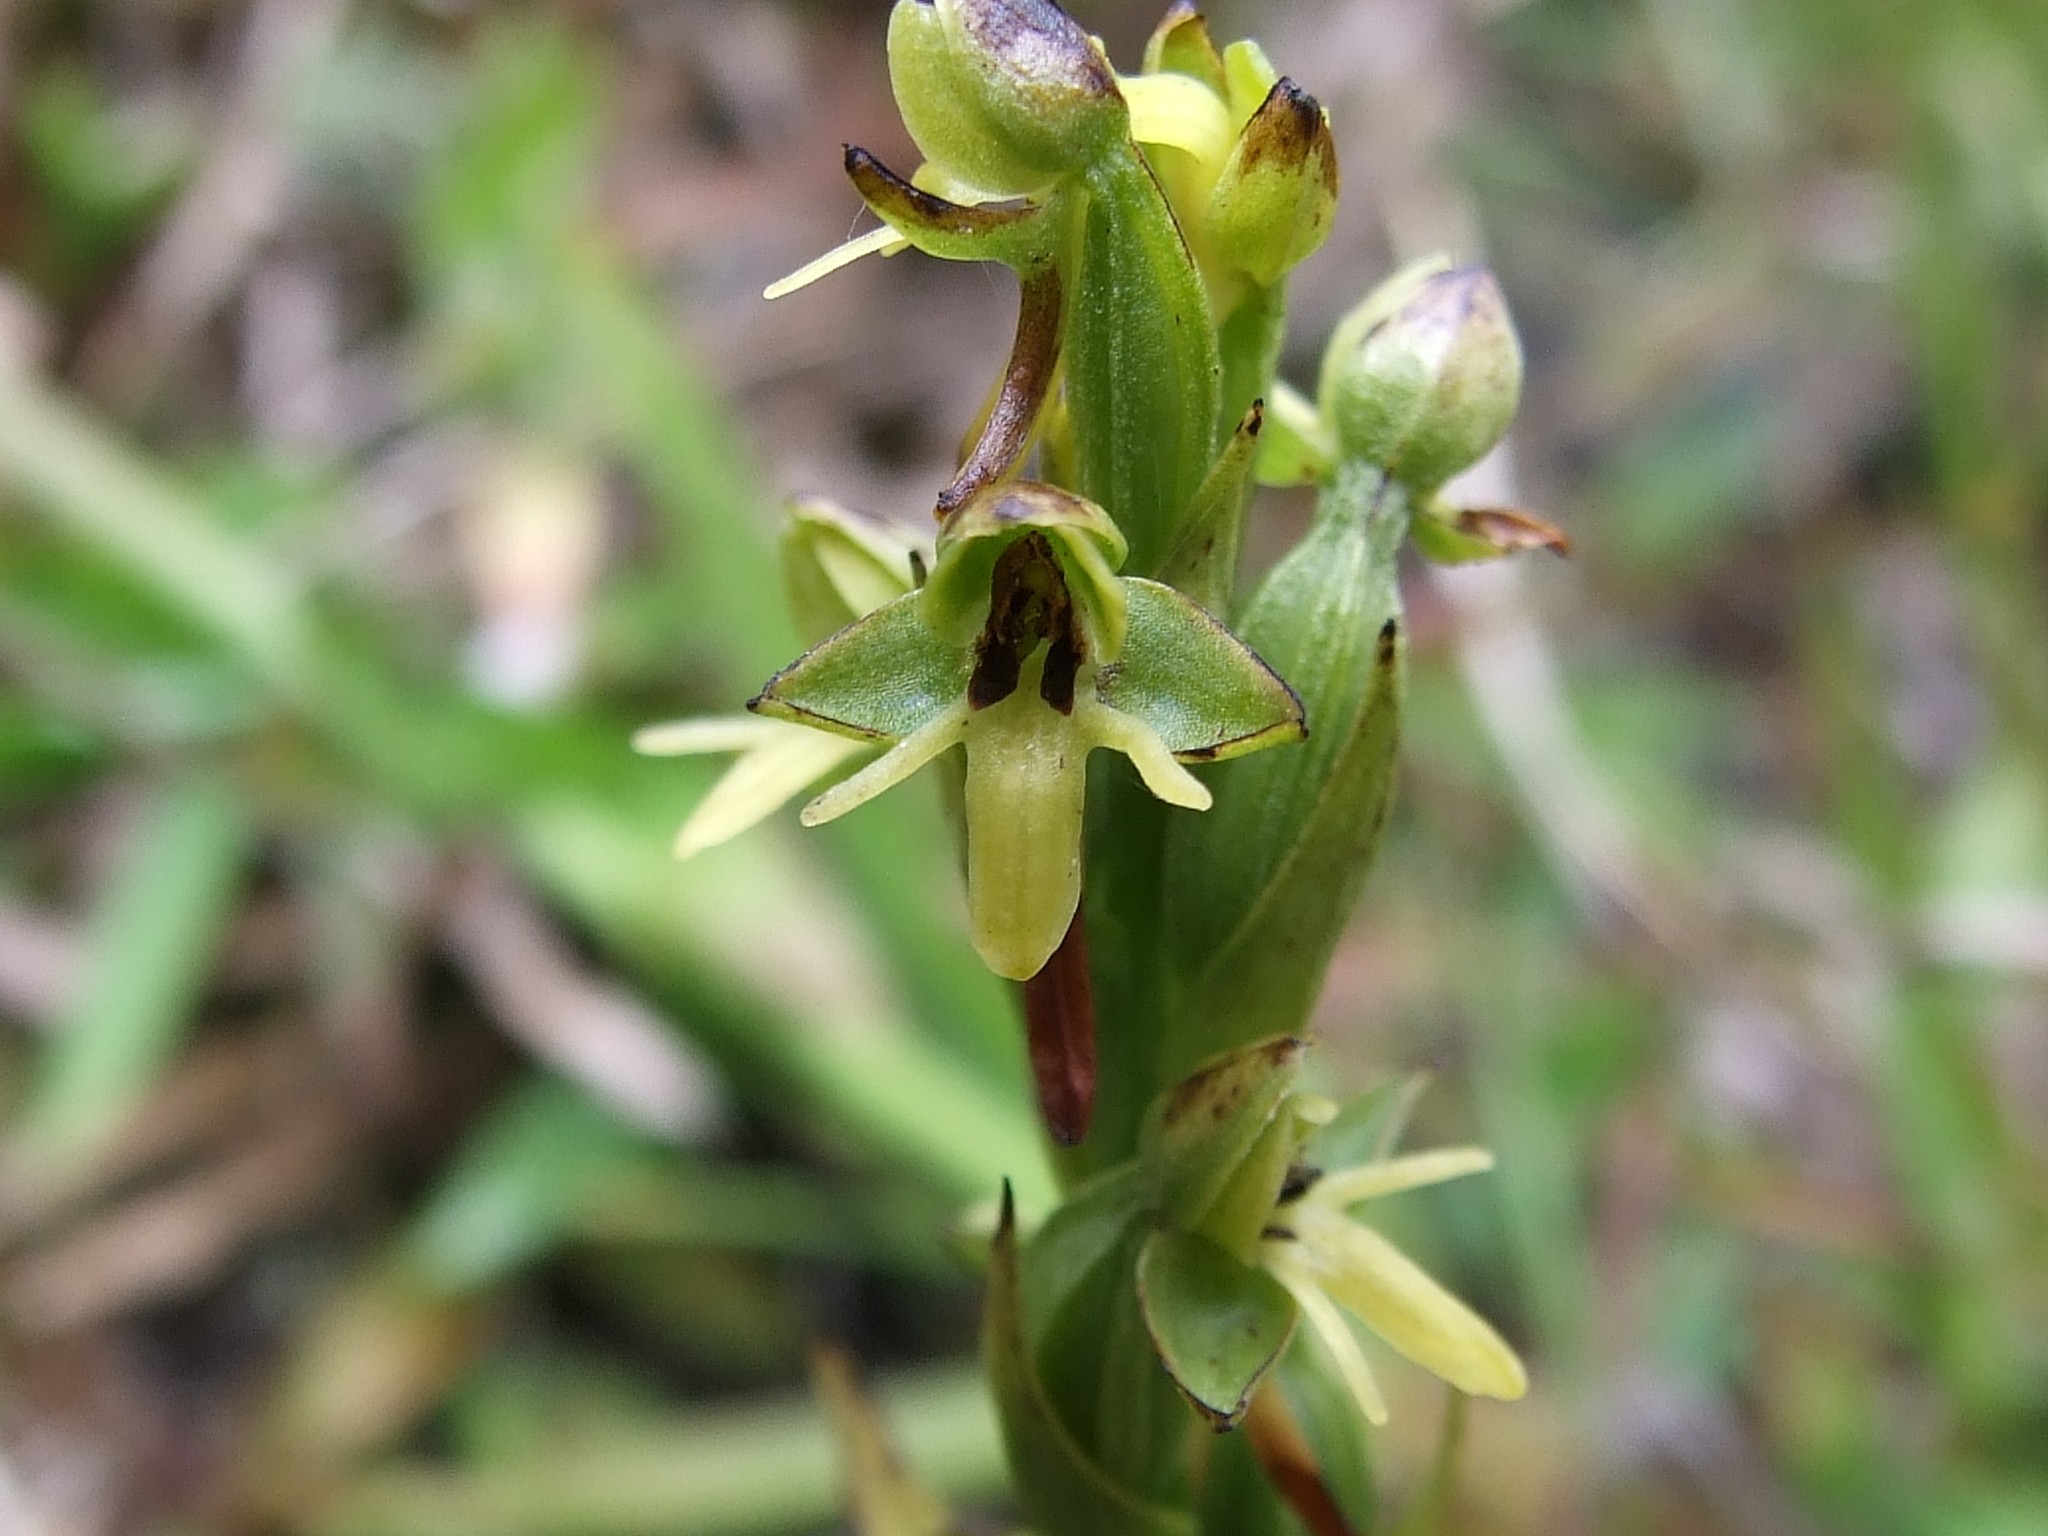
(1274, 203)
(1422, 378)
(1004, 95)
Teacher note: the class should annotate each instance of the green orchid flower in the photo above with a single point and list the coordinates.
(1331, 1263)
(1028, 650)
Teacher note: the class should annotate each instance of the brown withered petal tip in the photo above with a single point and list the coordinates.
(1508, 528)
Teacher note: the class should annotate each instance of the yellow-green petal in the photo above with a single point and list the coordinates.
(1390, 1176)
(766, 778)
(1330, 1328)
(890, 769)
(1393, 1296)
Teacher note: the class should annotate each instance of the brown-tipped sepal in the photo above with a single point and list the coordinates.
(1277, 197)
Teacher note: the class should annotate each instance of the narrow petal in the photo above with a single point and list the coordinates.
(1392, 1296)
(1141, 744)
(888, 770)
(1389, 1176)
(710, 733)
(884, 240)
(785, 764)
(1330, 1328)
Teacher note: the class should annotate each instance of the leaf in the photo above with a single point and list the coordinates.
(1218, 1324)
(154, 934)
(519, 1186)
(1200, 687)
(878, 679)
(1060, 1487)
(1198, 1133)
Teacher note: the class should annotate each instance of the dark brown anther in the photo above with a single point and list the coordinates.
(1062, 663)
(1299, 1181)
(1028, 603)
(1059, 1025)
(1027, 380)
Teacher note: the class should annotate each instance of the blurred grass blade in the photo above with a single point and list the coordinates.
(117, 501)
(154, 936)
(729, 1472)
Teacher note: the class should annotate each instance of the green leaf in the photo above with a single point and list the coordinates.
(154, 935)
(519, 1186)
(1059, 1486)
(878, 679)
(1197, 1133)
(1218, 1324)
(1206, 694)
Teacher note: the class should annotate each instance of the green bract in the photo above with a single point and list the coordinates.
(1026, 648)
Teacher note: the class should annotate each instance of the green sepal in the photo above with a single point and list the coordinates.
(1197, 1133)
(1020, 235)
(1181, 45)
(1276, 200)
(1201, 688)
(1294, 447)
(838, 566)
(1086, 539)
(1143, 375)
(1257, 891)
(1217, 1323)
(1060, 1487)
(878, 679)
(1203, 560)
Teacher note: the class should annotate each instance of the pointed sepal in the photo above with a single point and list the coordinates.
(1204, 691)
(881, 678)
(1218, 1324)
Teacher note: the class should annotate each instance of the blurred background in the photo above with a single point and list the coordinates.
(397, 1142)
